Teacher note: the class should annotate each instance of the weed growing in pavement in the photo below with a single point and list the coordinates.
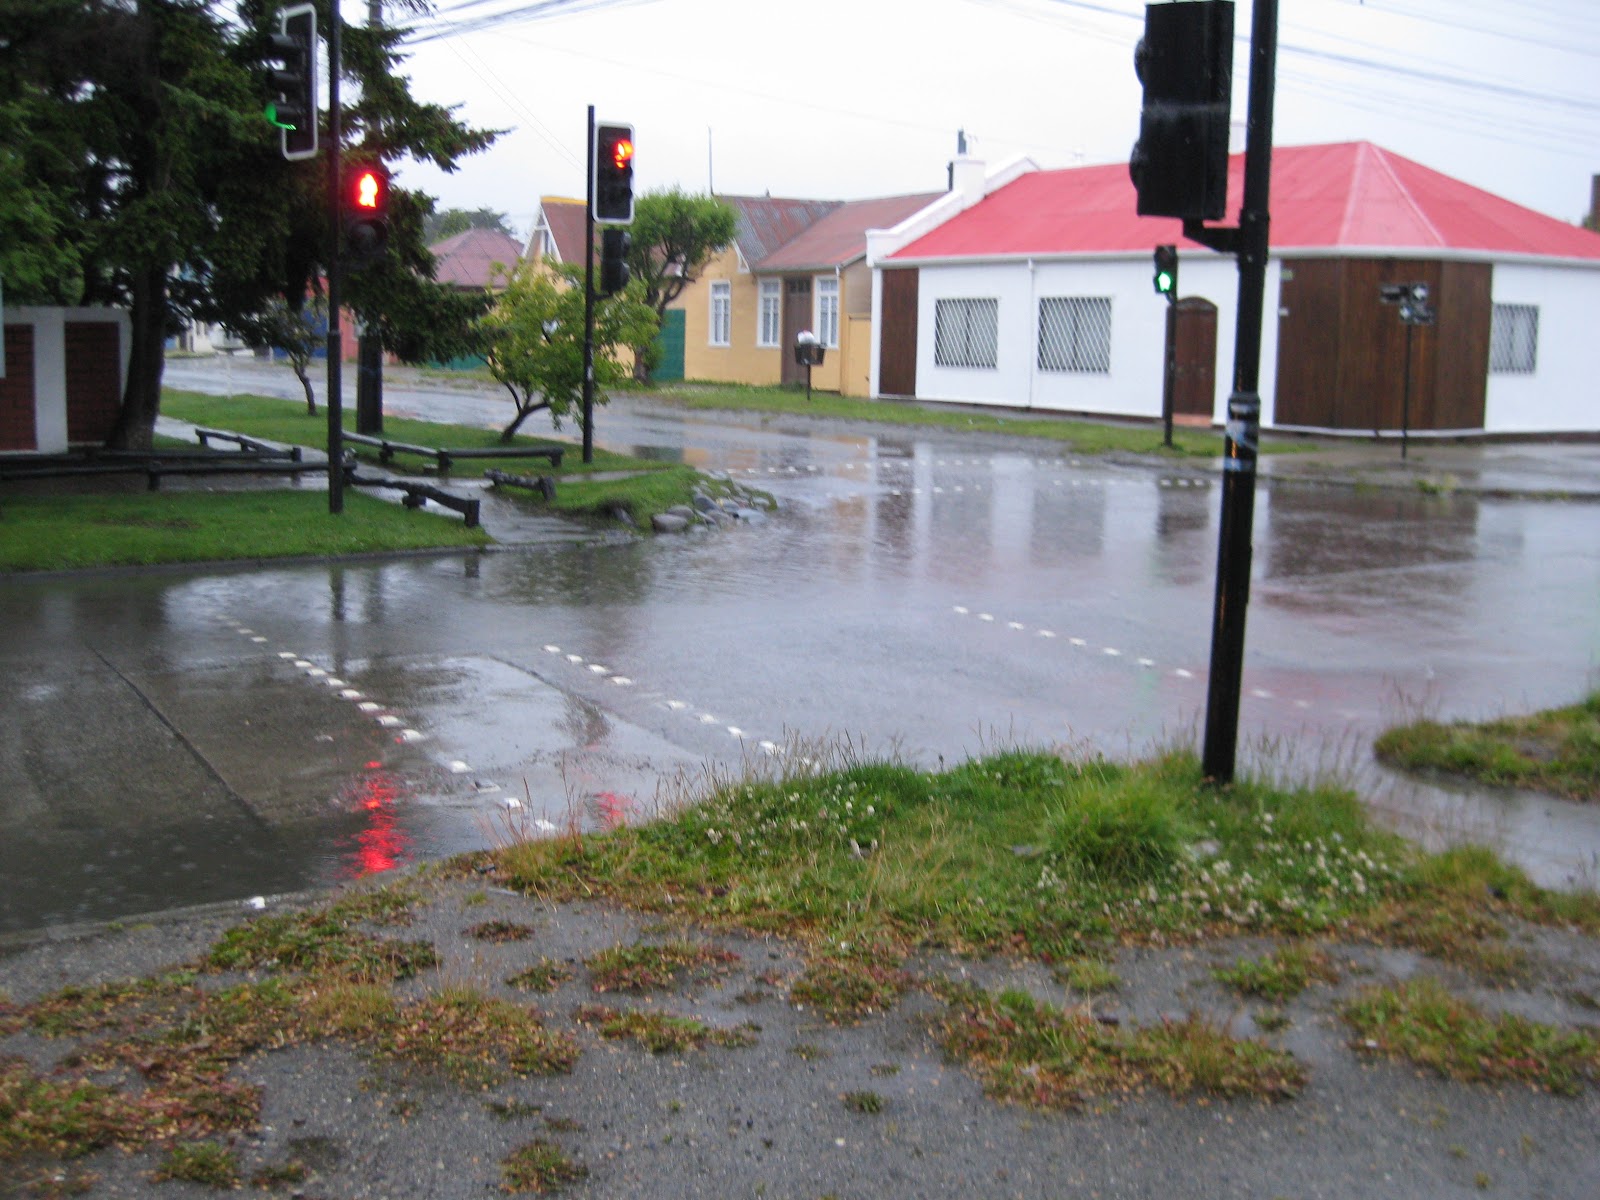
(325, 939)
(868, 1103)
(274, 1174)
(648, 967)
(1090, 976)
(545, 975)
(539, 1167)
(199, 1162)
(1420, 1021)
(659, 1032)
(1031, 1053)
(1281, 975)
(500, 931)
(471, 1037)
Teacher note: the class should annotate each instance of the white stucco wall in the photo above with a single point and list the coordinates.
(1132, 387)
(1562, 395)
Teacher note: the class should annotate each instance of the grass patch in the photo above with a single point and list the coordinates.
(470, 1037)
(501, 931)
(1281, 975)
(546, 975)
(1090, 976)
(867, 1103)
(1421, 1022)
(199, 1162)
(1081, 436)
(648, 967)
(1555, 751)
(1026, 1052)
(661, 1033)
(56, 533)
(539, 1167)
(320, 940)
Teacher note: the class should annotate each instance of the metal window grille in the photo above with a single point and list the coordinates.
(1075, 334)
(828, 312)
(966, 333)
(771, 313)
(721, 314)
(1514, 339)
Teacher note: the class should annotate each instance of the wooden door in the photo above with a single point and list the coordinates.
(897, 339)
(796, 316)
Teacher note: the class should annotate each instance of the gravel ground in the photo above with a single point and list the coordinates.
(771, 1118)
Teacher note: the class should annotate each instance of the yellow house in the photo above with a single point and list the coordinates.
(795, 265)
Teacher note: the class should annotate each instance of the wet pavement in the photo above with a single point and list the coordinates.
(185, 735)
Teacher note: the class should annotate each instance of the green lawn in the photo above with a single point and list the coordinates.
(1083, 436)
(55, 533)
(1556, 751)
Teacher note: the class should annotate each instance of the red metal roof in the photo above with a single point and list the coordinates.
(1351, 195)
(466, 260)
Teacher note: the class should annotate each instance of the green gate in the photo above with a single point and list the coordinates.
(669, 347)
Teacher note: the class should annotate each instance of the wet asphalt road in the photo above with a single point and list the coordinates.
(179, 736)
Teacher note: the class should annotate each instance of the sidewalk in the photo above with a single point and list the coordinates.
(1508, 470)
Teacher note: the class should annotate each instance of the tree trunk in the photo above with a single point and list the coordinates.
(141, 398)
(302, 373)
(523, 413)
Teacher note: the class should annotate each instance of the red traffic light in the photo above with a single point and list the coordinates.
(369, 190)
(622, 153)
(611, 186)
(366, 211)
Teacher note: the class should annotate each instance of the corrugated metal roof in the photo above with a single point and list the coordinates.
(766, 224)
(840, 237)
(1351, 195)
(467, 259)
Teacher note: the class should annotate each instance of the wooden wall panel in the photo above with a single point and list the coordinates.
(94, 379)
(18, 423)
(1461, 364)
(1307, 386)
(897, 339)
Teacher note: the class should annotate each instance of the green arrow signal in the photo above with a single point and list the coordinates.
(271, 113)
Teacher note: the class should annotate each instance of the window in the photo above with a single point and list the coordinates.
(1075, 334)
(769, 329)
(966, 333)
(721, 333)
(1514, 339)
(827, 330)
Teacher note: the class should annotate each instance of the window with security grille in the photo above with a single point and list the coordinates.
(828, 313)
(721, 313)
(769, 330)
(1514, 339)
(966, 333)
(1075, 334)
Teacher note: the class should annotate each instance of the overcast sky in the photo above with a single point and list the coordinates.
(853, 98)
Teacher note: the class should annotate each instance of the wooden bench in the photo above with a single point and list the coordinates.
(206, 436)
(387, 449)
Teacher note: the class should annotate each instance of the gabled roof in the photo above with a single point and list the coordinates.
(767, 224)
(840, 237)
(564, 221)
(467, 259)
(1350, 196)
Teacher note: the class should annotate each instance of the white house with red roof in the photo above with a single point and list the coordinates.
(1033, 289)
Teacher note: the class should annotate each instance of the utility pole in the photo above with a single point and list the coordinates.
(588, 300)
(369, 347)
(335, 223)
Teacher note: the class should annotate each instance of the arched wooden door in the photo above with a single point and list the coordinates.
(1194, 332)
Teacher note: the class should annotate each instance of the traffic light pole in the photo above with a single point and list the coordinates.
(1169, 377)
(588, 301)
(1250, 243)
(335, 335)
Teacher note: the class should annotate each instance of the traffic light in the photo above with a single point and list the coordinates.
(1185, 61)
(292, 52)
(612, 195)
(1166, 276)
(614, 247)
(366, 211)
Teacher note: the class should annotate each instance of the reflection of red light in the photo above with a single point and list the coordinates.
(613, 809)
(382, 844)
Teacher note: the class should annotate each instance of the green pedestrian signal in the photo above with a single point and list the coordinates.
(1166, 276)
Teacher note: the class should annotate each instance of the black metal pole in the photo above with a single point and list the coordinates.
(588, 303)
(335, 337)
(1244, 411)
(1168, 378)
(1405, 396)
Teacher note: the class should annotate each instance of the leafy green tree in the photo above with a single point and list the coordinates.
(533, 339)
(133, 129)
(675, 234)
(296, 332)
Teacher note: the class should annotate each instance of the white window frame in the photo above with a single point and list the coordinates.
(1514, 339)
(826, 311)
(719, 328)
(769, 318)
(958, 318)
(1078, 337)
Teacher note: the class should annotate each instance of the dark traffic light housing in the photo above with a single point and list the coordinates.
(1166, 276)
(612, 195)
(366, 211)
(614, 246)
(292, 53)
(1185, 61)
